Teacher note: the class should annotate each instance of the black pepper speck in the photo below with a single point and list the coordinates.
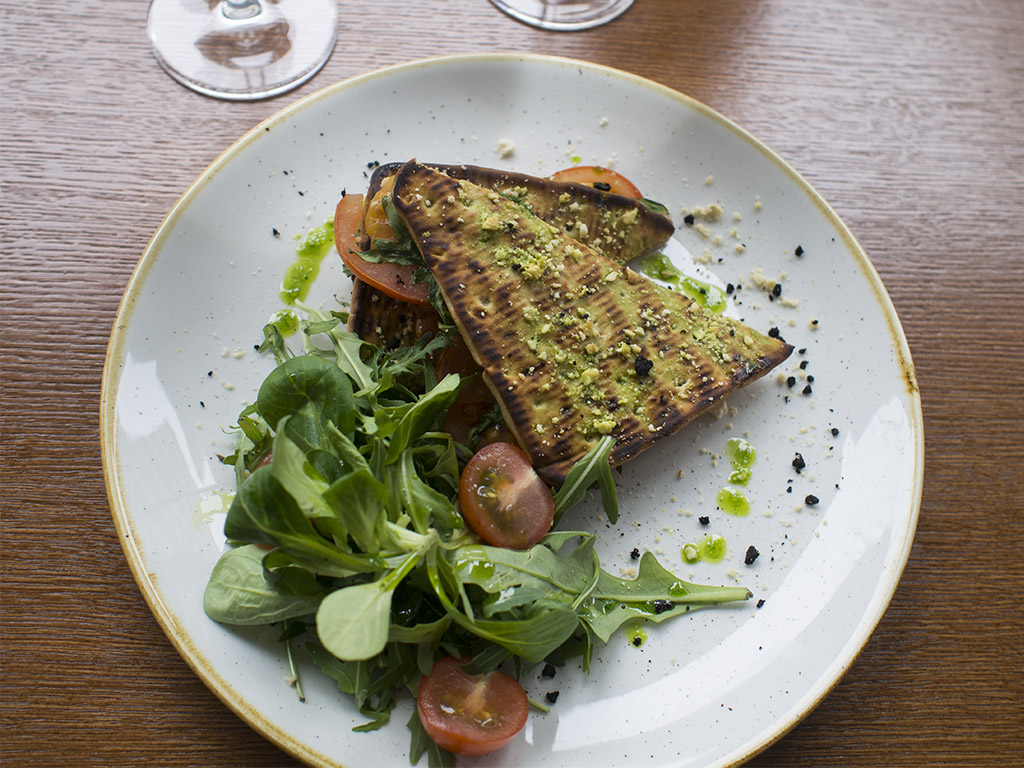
(635, 554)
(835, 432)
(799, 250)
(799, 463)
(751, 556)
(688, 220)
(806, 390)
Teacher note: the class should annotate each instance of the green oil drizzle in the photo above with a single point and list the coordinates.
(302, 272)
(742, 455)
(734, 502)
(637, 636)
(657, 267)
(286, 321)
(711, 550)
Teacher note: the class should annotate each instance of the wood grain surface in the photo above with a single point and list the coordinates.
(907, 115)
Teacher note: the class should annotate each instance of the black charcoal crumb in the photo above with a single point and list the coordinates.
(604, 186)
(834, 431)
(803, 365)
(799, 463)
(704, 520)
(777, 290)
(751, 555)
(548, 671)
(799, 251)
(760, 602)
(688, 220)
(660, 606)
(791, 381)
(773, 332)
(806, 390)
(810, 500)
(642, 365)
(635, 554)
(551, 696)
(729, 288)
(274, 230)
(209, 373)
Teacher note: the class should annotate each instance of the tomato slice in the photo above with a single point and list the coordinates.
(503, 499)
(393, 279)
(470, 714)
(595, 176)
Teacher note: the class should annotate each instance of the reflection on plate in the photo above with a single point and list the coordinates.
(835, 489)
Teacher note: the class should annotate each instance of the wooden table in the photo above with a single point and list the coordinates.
(908, 116)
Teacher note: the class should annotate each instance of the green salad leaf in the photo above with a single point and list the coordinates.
(345, 526)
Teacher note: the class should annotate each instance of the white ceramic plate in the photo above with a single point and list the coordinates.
(709, 689)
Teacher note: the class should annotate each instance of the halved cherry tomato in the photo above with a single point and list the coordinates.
(595, 176)
(503, 499)
(393, 279)
(470, 714)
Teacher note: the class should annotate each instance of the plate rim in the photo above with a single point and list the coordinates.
(884, 590)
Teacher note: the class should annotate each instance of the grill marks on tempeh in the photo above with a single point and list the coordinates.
(574, 345)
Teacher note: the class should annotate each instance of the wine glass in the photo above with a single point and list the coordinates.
(564, 15)
(242, 49)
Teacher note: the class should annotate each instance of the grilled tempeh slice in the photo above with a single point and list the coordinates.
(573, 344)
(386, 322)
(618, 227)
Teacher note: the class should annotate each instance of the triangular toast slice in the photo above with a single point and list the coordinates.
(573, 344)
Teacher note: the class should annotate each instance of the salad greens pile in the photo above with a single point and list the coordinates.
(345, 532)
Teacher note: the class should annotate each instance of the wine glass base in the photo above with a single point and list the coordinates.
(277, 49)
(564, 15)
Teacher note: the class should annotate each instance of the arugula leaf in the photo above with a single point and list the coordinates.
(418, 418)
(594, 467)
(424, 505)
(656, 594)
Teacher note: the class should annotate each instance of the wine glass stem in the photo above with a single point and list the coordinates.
(239, 10)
